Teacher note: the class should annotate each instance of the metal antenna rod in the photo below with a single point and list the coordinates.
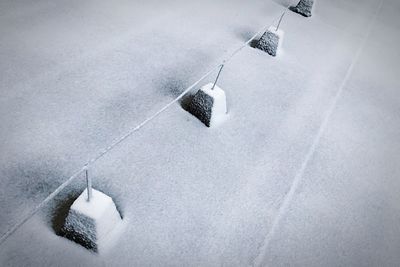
(222, 66)
(280, 19)
(88, 184)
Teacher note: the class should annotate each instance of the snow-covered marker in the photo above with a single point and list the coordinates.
(209, 103)
(271, 40)
(91, 223)
(304, 8)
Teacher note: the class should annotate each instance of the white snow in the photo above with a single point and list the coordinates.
(99, 207)
(75, 75)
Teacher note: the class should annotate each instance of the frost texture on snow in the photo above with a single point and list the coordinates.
(89, 223)
(271, 41)
(209, 105)
(304, 8)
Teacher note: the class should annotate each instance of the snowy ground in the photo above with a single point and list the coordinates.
(75, 75)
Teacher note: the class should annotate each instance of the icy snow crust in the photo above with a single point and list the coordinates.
(77, 74)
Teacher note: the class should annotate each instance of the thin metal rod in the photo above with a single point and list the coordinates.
(88, 184)
(219, 73)
(280, 20)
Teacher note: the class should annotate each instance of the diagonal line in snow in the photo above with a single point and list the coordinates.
(100, 155)
(116, 142)
(299, 175)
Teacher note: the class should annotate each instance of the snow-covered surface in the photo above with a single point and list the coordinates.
(75, 75)
(99, 205)
(212, 112)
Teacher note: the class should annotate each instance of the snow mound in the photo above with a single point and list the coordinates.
(91, 223)
(209, 105)
(304, 8)
(271, 41)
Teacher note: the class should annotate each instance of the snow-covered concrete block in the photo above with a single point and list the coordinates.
(90, 223)
(304, 7)
(271, 41)
(209, 105)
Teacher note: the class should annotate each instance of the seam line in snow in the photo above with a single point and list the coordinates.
(299, 175)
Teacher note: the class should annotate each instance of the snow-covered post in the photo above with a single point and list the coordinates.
(92, 218)
(209, 103)
(304, 7)
(88, 184)
(271, 40)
